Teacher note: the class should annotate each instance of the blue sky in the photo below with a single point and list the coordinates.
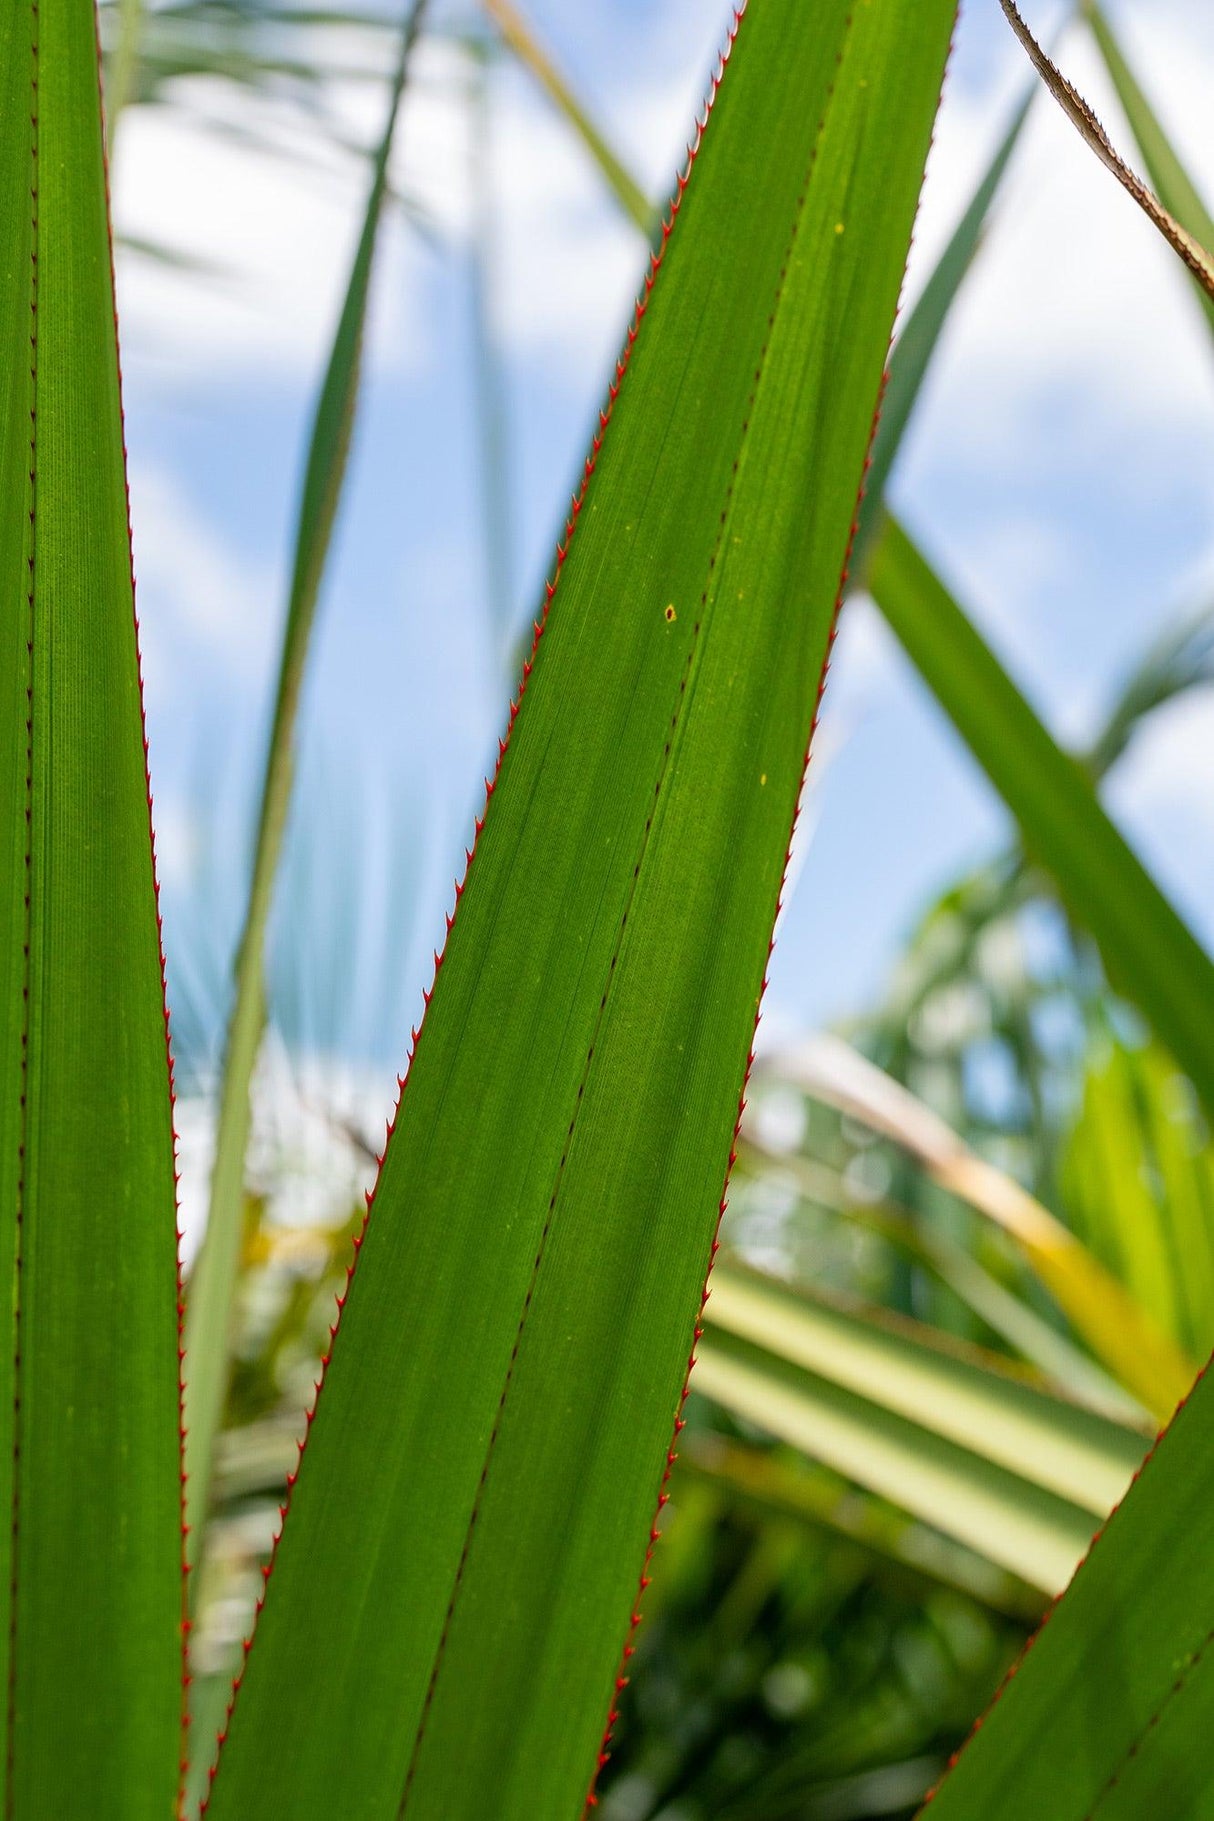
(1061, 471)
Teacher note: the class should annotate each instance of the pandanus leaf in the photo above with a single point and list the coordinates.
(91, 1576)
(1108, 1713)
(476, 1502)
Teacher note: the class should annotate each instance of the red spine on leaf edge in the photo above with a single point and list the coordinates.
(663, 1500)
(604, 418)
(183, 1761)
(1015, 1667)
(550, 589)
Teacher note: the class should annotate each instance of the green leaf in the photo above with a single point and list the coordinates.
(1116, 1327)
(16, 502)
(1137, 1174)
(778, 1484)
(951, 1390)
(995, 1511)
(466, 1537)
(1026, 1332)
(91, 1556)
(1173, 185)
(1150, 955)
(945, 1432)
(1109, 1714)
(213, 1281)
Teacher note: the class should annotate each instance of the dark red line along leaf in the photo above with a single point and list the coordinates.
(456, 1577)
(90, 1384)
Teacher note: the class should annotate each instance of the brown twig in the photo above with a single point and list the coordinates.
(1073, 105)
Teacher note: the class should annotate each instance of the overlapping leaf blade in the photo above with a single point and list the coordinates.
(776, 1483)
(1018, 1475)
(89, 1391)
(466, 1536)
(1028, 1334)
(1014, 1523)
(1109, 1713)
(1142, 1355)
(952, 1390)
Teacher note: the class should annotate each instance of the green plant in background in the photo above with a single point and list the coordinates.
(475, 1509)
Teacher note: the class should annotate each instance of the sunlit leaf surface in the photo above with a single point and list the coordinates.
(468, 1532)
(89, 1419)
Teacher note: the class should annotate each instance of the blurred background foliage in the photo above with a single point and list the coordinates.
(812, 1649)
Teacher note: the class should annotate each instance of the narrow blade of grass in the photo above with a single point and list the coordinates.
(472, 1518)
(531, 54)
(90, 1563)
(213, 1282)
(1150, 955)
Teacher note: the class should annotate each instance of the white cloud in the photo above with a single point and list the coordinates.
(1163, 794)
(264, 233)
(276, 225)
(572, 263)
(197, 596)
(177, 841)
(1076, 326)
(1168, 772)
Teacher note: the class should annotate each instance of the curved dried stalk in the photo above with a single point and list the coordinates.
(1073, 105)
